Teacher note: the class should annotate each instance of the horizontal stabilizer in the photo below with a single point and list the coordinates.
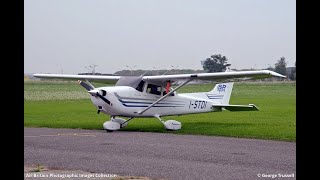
(250, 107)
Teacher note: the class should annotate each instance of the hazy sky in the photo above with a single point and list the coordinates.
(69, 35)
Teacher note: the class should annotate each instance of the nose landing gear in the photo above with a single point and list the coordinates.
(115, 124)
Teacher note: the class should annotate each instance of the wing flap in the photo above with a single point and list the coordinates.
(250, 107)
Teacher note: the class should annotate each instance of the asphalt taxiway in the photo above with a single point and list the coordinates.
(158, 155)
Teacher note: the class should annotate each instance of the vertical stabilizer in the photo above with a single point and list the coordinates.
(221, 93)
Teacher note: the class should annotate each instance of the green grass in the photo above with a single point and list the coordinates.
(67, 105)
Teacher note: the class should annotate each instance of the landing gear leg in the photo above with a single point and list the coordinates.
(115, 124)
(125, 123)
(158, 117)
(170, 124)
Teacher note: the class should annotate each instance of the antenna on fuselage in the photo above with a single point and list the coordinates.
(173, 70)
(147, 71)
(131, 68)
(144, 73)
(165, 72)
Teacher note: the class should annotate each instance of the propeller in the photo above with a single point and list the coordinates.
(85, 85)
(103, 98)
(94, 92)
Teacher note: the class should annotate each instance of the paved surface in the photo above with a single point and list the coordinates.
(40, 172)
(158, 155)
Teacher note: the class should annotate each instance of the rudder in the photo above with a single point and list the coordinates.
(221, 93)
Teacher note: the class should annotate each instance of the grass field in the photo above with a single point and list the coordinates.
(67, 105)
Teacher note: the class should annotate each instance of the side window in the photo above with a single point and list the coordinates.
(154, 89)
(140, 86)
(164, 93)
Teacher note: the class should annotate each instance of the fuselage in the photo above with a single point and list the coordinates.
(127, 101)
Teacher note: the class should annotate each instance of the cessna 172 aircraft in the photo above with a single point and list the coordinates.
(154, 96)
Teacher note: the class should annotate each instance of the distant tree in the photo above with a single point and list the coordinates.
(295, 68)
(293, 72)
(216, 63)
(281, 66)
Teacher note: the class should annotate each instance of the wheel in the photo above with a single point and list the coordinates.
(110, 126)
(172, 125)
(120, 121)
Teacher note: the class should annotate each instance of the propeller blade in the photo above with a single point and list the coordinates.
(85, 85)
(104, 99)
(92, 91)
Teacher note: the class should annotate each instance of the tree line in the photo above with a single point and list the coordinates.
(219, 63)
(214, 63)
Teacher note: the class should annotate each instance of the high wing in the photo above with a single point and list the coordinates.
(218, 76)
(95, 78)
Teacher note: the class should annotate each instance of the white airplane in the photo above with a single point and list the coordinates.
(153, 96)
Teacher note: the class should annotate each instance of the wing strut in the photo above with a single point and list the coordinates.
(160, 99)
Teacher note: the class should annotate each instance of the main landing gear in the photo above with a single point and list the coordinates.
(172, 125)
(118, 123)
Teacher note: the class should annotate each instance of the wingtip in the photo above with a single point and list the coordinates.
(255, 107)
(35, 75)
(275, 74)
(279, 75)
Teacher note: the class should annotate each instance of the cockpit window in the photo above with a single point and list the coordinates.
(154, 89)
(140, 86)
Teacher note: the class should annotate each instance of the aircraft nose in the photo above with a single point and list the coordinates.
(93, 92)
